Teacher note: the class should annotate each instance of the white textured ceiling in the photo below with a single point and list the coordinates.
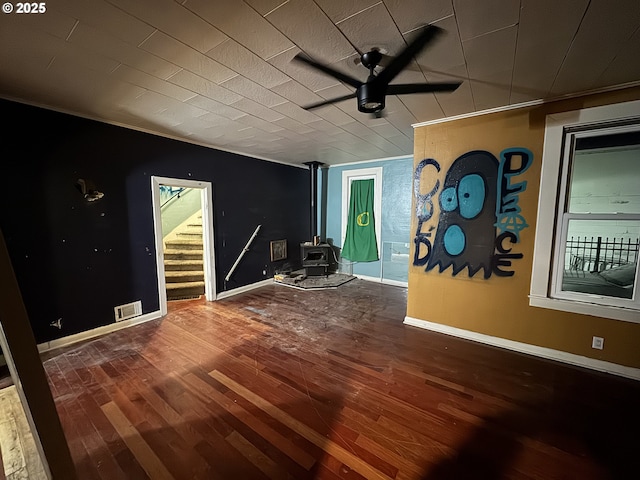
(219, 72)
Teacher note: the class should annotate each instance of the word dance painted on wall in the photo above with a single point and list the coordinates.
(479, 219)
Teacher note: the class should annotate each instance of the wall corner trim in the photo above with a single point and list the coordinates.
(245, 288)
(530, 103)
(96, 332)
(543, 352)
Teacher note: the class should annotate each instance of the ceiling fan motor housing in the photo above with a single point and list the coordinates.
(371, 97)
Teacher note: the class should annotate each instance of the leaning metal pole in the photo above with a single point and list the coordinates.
(244, 250)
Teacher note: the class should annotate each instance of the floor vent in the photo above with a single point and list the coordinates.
(127, 311)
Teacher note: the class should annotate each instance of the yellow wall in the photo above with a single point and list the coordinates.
(499, 306)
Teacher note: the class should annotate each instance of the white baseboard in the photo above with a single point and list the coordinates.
(386, 281)
(243, 289)
(395, 283)
(548, 353)
(96, 332)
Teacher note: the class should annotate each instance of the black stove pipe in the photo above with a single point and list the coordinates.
(313, 177)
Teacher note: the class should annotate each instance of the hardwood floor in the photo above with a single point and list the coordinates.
(282, 383)
(19, 457)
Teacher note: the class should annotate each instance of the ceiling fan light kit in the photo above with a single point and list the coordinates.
(370, 98)
(371, 94)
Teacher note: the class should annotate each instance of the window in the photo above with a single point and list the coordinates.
(586, 251)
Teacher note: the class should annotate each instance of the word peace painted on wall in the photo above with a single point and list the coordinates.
(479, 219)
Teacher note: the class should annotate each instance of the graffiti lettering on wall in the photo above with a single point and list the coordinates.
(480, 220)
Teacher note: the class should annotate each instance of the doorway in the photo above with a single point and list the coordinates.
(168, 194)
(348, 177)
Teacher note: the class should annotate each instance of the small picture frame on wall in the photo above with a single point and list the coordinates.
(278, 250)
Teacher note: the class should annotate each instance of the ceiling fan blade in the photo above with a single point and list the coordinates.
(329, 71)
(327, 102)
(406, 88)
(402, 60)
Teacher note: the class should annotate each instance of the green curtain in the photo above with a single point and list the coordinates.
(360, 243)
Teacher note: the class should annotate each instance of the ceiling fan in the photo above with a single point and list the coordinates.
(371, 94)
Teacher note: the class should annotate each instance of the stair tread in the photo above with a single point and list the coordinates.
(183, 280)
(176, 251)
(184, 244)
(188, 272)
(177, 267)
(184, 241)
(183, 273)
(177, 285)
(190, 251)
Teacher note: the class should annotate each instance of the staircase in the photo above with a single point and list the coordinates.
(183, 260)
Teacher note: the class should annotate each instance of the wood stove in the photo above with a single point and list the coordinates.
(315, 258)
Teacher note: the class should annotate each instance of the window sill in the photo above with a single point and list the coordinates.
(585, 308)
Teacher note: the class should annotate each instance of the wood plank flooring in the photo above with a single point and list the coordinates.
(280, 383)
(19, 457)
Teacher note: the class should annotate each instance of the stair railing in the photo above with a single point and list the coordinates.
(175, 194)
(244, 250)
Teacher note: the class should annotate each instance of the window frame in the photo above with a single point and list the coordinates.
(559, 262)
(549, 246)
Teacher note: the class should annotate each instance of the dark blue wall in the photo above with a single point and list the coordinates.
(77, 260)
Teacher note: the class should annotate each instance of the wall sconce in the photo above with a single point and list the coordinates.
(88, 190)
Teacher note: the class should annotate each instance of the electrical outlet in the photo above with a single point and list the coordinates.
(597, 343)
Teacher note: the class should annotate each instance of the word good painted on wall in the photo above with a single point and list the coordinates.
(479, 219)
